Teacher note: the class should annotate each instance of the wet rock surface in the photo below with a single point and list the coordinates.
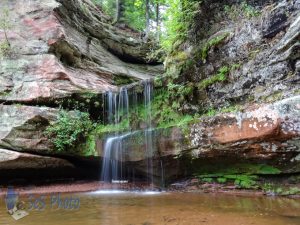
(261, 134)
(66, 48)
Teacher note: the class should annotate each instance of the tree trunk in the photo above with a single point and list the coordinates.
(147, 18)
(157, 22)
(119, 11)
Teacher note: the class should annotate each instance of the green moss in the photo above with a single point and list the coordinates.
(84, 8)
(213, 42)
(244, 181)
(233, 108)
(120, 80)
(278, 95)
(241, 181)
(253, 53)
(5, 25)
(158, 82)
(242, 175)
(235, 66)
(240, 168)
(242, 10)
(210, 112)
(111, 128)
(277, 189)
(180, 56)
(178, 121)
(221, 76)
(88, 148)
(221, 179)
(5, 49)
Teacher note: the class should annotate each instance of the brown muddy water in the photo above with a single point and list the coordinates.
(150, 208)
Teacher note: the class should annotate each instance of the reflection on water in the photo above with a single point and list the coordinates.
(138, 208)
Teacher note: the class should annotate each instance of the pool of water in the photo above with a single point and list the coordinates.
(147, 208)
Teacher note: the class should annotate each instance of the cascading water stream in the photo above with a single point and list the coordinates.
(148, 90)
(112, 161)
(117, 112)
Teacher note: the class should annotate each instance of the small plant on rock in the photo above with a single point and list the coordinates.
(5, 25)
(70, 130)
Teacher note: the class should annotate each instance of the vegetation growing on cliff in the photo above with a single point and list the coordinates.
(242, 175)
(5, 25)
(176, 17)
(70, 130)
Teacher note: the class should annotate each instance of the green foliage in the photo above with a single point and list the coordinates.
(235, 66)
(69, 131)
(207, 179)
(4, 49)
(275, 189)
(228, 109)
(276, 96)
(135, 14)
(211, 112)
(5, 25)
(221, 179)
(108, 6)
(123, 80)
(249, 11)
(134, 11)
(84, 8)
(244, 181)
(221, 76)
(166, 105)
(179, 18)
(88, 148)
(242, 175)
(240, 180)
(213, 42)
(243, 10)
(111, 128)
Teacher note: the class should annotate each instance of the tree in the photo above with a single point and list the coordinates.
(158, 3)
(147, 9)
(5, 25)
(120, 7)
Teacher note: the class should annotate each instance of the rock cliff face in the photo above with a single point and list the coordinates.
(60, 50)
(67, 49)
(263, 134)
(239, 55)
(255, 44)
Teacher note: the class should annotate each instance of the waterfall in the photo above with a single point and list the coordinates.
(148, 90)
(117, 110)
(112, 169)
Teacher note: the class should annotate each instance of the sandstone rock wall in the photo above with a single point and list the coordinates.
(257, 41)
(59, 50)
(266, 134)
(66, 48)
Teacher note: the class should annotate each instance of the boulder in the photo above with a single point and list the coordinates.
(11, 160)
(54, 54)
(21, 127)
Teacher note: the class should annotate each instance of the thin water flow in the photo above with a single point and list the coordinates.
(117, 110)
